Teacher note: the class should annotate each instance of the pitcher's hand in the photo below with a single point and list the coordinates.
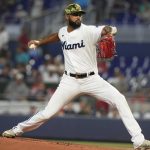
(33, 44)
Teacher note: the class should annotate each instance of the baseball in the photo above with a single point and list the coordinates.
(32, 46)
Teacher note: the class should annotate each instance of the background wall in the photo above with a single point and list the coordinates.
(78, 128)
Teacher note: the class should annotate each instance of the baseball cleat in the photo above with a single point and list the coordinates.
(144, 146)
(9, 134)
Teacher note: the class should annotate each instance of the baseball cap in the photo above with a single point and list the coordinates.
(74, 8)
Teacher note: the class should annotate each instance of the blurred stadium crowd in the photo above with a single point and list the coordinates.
(32, 76)
(119, 11)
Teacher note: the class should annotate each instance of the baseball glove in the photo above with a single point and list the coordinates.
(106, 48)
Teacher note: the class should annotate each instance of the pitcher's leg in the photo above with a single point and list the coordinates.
(128, 119)
(63, 94)
(112, 95)
(103, 90)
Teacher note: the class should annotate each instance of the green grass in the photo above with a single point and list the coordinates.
(104, 144)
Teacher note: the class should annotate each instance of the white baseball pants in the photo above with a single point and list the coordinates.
(68, 88)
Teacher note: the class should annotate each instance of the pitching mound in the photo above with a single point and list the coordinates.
(34, 144)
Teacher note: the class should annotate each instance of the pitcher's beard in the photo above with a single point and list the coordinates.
(74, 25)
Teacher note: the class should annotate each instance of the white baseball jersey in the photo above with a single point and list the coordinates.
(80, 57)
(79, 48)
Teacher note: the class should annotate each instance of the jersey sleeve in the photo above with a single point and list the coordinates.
(61, 32)
(95, 33)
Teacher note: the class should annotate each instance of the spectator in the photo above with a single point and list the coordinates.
(5, 78)
(4, 38)
(119, 11)
(5, 58)
(113, 113)
(21, 68)
(85, 107)
(144, 11)
(17, 90)
(99, 6)
(37, 8)
(119, 81)
(22, 57)
(5, 74)
(48, 60)
(59, 65)
(109, 7)
(32, 75)
(20, 13)
(24, 39)
(69, 109)
(102, 108)
(51, 75)
(38, 89)
(138, 98)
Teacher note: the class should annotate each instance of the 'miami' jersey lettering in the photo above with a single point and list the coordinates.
(79, 48)
(66, 46)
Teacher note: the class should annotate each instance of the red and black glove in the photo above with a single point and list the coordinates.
(106, 48)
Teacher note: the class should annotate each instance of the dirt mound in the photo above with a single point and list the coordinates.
(34, 144)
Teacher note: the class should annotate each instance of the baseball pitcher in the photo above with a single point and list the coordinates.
(82, 45)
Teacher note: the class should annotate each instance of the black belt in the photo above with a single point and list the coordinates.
(80, 75)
